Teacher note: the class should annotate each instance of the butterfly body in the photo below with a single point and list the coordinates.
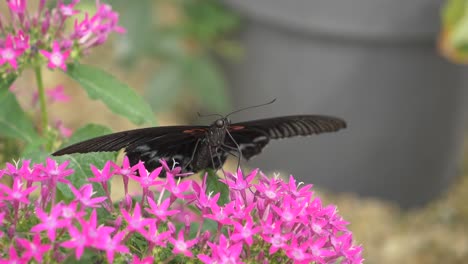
(195, 148)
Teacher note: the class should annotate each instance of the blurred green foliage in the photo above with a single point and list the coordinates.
(184, 37)
(453, 41)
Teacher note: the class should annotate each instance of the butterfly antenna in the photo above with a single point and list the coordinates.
(203, 115)
(250, 107)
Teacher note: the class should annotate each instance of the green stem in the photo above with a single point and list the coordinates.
(42, 100)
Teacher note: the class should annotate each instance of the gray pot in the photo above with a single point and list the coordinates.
(373, 63)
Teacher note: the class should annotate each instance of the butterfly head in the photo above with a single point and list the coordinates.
(222, 123)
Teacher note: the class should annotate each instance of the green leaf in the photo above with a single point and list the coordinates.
(80, 163)
(208, 82)
(459, 37)
(35, 151)
(14, 123)
(117, 96)
(165, 86)
(452, 12)
(86, 132)
(214, 186)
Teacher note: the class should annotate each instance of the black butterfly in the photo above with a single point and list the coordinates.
(196, 148)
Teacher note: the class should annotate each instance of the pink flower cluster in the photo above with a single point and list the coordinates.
(44, 30)
(272, 221)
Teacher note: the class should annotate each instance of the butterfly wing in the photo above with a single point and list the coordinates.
(146, 144)
(253, 136)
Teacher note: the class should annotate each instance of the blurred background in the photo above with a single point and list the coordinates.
(393, 69)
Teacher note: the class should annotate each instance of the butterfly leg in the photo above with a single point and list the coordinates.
(238, 148)
(238, 156)
(219, 159)
(193, 154)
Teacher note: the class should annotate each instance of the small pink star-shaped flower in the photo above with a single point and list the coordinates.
(33, 249)
(68, 10)
(57, 94)
(56, 57)
(9, 54)
(181, 245)
(17, 6)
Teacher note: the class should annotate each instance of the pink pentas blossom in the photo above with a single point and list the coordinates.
(155, 237)
(176, 188)
(52, 23)
(12, 257)
(17, 6)
(57, 58)
(96, 234)
(101, 175)
(237, 181)
(71, 212)
(160, 210)
(63, 130)
(182, 246)
(9, 54)
(147, 179)
(68, 10)
(125, 170)
(57, 94)
(245, 231)
(22, 41)
(17, 193)
(78, 241)
(33, 249)
(84, 194)
(55, 172)
(114, 245)
(146, 260)
(187, 219)
(50, 222)
(136, 222)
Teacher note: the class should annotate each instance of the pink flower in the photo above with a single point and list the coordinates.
(56, 58)
(237, 181)
(49, 222)
(160, 210)
(57, 94)
(84, 194)
(147, 260)
(17, 6)
(277, 238)
(64, 131)
(77, 241)
(21, 41)
(126, 171)
(135, 221)
(178, 188)
(182, 246)
(290, 226)
(17, 193)
(71, 212)
(156, 238)
(55, 172)
(33, 249)
(101, 175)
(9, 54)
(223, 252)
(12, 257)
(245, 232)
(113, 245)
(68, 10)
(147, 179)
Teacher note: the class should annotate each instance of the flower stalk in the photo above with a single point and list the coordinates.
(42, 100)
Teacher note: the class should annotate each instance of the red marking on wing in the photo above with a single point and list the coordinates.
(236, 128)
(194, 131)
